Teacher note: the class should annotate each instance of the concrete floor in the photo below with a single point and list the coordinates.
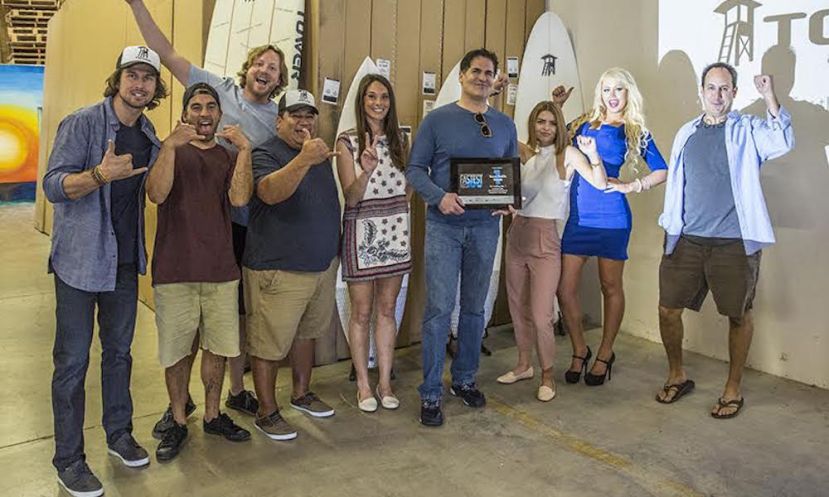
(608, 441)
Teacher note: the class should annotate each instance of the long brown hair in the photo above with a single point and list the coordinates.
(561, 139)
(114, 83)
(398, 144)
(254, 54)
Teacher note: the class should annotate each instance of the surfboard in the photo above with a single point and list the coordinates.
(239, 25)
(348, 120)
(450, 91)
(548, 61)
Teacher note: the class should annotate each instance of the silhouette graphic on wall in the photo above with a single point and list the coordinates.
(738, 34)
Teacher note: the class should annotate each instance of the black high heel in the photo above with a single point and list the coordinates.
(595, 380)
(575, 376)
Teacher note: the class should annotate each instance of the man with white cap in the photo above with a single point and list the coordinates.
(290, 262)
(95, 178)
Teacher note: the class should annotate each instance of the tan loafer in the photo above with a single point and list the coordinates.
(368, 404)
(545, 393)
(509, 377)
(387, 401)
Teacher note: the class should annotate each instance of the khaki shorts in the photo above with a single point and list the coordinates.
(182, 309)
(283, 305)
(692, 269)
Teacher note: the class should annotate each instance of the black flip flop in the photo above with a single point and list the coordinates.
(722, 404)
(681, 389)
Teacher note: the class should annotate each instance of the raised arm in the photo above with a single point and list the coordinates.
(280, 185)
(155, 39)
(354, 185)
(241, 183)
(593, 171)
(773, 136)
(67, 178)
(160, 179)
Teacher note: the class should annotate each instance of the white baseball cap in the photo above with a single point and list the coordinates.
(295, 99)
(138, 55)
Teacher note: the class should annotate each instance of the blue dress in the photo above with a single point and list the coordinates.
(600, 223)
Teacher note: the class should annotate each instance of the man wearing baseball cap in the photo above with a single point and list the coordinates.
(95, 178)
(290, 262)
(247, 101)
(195, 276)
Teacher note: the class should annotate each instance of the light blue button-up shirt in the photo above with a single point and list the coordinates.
(84, 249)
(749, 141)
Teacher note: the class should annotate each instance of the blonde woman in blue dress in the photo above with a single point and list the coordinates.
(600, 222)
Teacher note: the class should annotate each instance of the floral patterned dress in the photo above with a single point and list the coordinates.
(376, 242)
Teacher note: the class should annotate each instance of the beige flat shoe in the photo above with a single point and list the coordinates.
(367, 405)
(509, 377)
(545, 393)
(387, 401)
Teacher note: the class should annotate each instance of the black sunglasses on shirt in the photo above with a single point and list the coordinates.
(486, 131)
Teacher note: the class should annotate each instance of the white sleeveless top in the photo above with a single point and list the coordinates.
(545, 194)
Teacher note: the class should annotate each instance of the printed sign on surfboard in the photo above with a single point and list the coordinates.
(239, 25)
(548, 61)
(348, 120)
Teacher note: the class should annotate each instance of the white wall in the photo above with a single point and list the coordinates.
(791, 326)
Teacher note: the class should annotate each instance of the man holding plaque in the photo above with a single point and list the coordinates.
(460, 241)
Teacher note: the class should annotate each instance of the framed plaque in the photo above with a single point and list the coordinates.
(486, 183)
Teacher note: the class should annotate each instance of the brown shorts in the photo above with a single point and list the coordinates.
(692, 269)
(283, 305)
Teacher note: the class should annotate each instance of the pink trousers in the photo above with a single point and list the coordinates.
(533, 267)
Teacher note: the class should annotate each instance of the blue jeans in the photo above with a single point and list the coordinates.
(452, 251)
(75, 314)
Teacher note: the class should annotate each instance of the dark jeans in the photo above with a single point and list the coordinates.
(75, 314)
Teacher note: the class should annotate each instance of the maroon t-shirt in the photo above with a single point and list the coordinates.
(194, 241)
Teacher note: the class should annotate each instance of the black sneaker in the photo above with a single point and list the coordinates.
(244, 402)
(430, 413)
(171, 444)
(129, 452)
(470, 394)
(78, 480)
(224, 426)
(166, 422)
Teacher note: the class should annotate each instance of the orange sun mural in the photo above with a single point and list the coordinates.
(18, 144)
(21, 97)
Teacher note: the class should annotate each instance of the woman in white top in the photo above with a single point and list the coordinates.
(533, 254)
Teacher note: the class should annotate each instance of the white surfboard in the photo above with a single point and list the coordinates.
(548, 61)
(450, 92)
(348, 120)
(239, 25)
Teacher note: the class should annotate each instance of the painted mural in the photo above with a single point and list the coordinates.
(21, 98)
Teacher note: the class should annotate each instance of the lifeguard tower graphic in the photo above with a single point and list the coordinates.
(549, 68)
(738, 36)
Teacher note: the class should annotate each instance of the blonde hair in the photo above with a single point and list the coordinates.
(254, 54)
(636, 133)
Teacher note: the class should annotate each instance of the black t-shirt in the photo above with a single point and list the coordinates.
(301, 233)
(124, 193)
